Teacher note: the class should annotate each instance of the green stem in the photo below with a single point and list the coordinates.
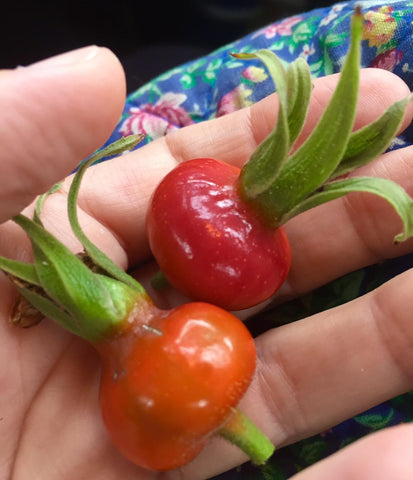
(240, 431)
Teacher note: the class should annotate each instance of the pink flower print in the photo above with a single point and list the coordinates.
(139, 121)
(283, 28)
(234, 100)
(388, 60)
(255, 74)
(156, 120)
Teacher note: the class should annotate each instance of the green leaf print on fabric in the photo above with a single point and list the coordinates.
(375, 421)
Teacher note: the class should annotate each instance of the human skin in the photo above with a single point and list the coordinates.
(311, 374)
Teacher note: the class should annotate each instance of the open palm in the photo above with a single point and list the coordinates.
(311, 374)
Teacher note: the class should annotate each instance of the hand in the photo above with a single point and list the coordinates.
(311, 374)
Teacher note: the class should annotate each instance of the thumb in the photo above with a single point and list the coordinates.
(53, 114)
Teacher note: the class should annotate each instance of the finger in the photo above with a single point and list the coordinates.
(316, 373)
(55, 113)
(385, 454)
(320, 252)
(231, 138)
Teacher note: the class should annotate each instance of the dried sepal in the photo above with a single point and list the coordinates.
(23, 313)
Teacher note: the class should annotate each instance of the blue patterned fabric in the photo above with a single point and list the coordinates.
(218, 84)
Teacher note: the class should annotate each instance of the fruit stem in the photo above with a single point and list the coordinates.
(242, 432)
(159, 281)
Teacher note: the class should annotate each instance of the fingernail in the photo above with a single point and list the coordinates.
(69, 58)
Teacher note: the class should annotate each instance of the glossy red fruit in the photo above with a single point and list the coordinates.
(209, 243)
(167, 386)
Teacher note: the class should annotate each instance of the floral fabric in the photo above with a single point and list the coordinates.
(218, 84)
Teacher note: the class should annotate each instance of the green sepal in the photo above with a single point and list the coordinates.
(123, 296)
(60, 285)
(332, 150)
(122, 145)
(115, 148)
(49, 309)
(70, 284)
(20, 270)
(370, 141)
(40, 202)
(387, 189)
(317, 158)
(98, 257)
(299, 95)
(266, 161)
